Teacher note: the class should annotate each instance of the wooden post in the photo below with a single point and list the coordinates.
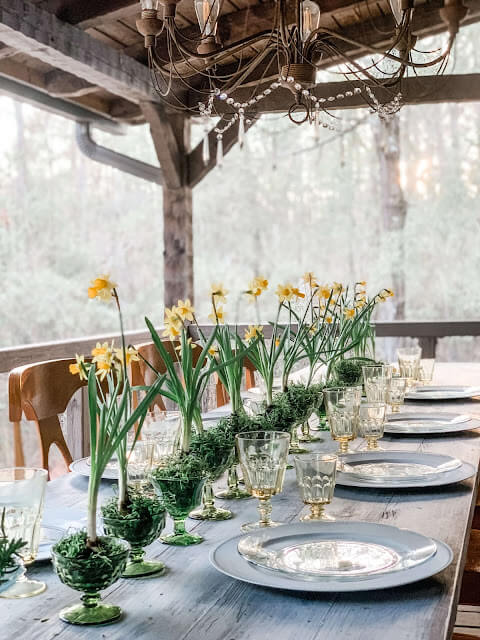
(171, 137)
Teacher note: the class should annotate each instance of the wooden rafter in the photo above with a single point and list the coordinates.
(414, 90)
(38, 33)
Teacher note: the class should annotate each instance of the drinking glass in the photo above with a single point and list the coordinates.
(371, 423)
(375, 380)
(139, 464)
(397, 388)
(263, 458)
(22, 492)
(342, 406)
(316, 481)
(409, 364)
(161, 432)
(425, 374)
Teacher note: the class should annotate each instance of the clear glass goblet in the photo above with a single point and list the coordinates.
(375, 381)
(371, 423)
(263, 458)
(342, 406)
(397, 388)
(409, 364)
(425, 373)
(22, 492)
(316, 481)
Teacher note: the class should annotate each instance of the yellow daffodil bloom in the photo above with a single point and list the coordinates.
(329, 319)
(260, 282)
(185, 310)
(277, 342)
(362, 283)
(349, 312)
(102, 287)
(253, 291)
(218, 315)
(360, 302)
(103, 368)
(310, 279)
(253, 331)
(103, 353)
(171, 332)
(383, 295)
(79, 367)
(213, 351)
(284, 292)
(218, 292)
(337, 288)
(324, 292)
(131, 355)
(297, 293)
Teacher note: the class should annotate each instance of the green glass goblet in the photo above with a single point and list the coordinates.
(139, 532)
(91, 574)
(208, 511)
(180, 496)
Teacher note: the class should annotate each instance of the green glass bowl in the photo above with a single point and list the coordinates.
(180, 496)
(139, 532)
(91, 575)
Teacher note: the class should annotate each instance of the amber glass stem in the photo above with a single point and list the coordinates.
(265, 511)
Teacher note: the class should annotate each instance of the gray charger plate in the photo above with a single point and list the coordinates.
(448, 477)
(226, 559)
(446, 392)
(429, 423)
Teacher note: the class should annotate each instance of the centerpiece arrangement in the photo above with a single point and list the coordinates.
(10, 565)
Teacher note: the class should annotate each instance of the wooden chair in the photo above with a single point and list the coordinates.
(41, 392)
(142, 374)
(249, 369)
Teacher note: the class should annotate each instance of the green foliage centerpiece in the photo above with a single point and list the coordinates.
(10, 564)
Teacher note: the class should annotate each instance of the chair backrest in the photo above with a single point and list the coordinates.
(249, 369)
(142, 374)
(41, 392)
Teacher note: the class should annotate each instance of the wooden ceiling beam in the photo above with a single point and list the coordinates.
(41, 35)
(415, 90)
(88, 13)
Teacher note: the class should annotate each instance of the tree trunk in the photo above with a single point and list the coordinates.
(178, 244)
(393, 205)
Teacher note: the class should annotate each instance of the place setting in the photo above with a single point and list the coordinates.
(318, 554)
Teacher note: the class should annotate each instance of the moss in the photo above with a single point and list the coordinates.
(8, 549)
(214, 448)
(75, 546)
(140, 507)
(181, 467)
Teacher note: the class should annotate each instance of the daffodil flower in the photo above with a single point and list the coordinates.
(102, 287)
(297, 293)
(284, 292)
(260, 282)
(337, 288)
(131, 355)
(349, 312)
(171, 332)
(79, 368)
(213, 351)
(218, 292)
(103, 368)
(329, 319)
(185, 310)
(253, 291)
(310, 279)
(324, 292)
(218, 315)
(252, 332)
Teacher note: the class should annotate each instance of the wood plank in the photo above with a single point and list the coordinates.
(219, 608)
(41, 35)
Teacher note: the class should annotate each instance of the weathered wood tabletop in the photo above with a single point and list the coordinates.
(195, 602)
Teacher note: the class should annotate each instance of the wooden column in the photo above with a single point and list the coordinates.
(171, 137)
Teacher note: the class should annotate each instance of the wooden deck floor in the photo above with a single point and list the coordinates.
(468, 620)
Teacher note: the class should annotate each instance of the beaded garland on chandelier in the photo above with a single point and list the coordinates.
(292, 50)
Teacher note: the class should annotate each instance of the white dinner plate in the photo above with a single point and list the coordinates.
(226, 559)
(82, 467)
(429, 423)
(455, 392)
(456, 471)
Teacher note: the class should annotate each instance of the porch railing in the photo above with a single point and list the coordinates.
(75, 419)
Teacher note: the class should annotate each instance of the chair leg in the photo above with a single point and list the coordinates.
(18, 454)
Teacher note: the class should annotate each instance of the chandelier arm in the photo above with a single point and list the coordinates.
(226, 51)
(251, 67)
(283, 27)
(390, 56)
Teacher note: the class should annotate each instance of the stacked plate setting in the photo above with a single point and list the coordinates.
(331, 556)
(410, 423)
(401, 470)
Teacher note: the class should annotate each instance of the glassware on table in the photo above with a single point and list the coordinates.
(397, 388)
(425, 373)
(161, 431)
(139, 464)
(208, 510)
(316, 481)
(263, 458)
(22, 492)
(371, 423)
(409, 364)
(342, 406)
(375, 381)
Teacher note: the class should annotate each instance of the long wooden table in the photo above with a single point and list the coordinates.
(195, 602)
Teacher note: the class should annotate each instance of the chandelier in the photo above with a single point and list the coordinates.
(291, 51)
